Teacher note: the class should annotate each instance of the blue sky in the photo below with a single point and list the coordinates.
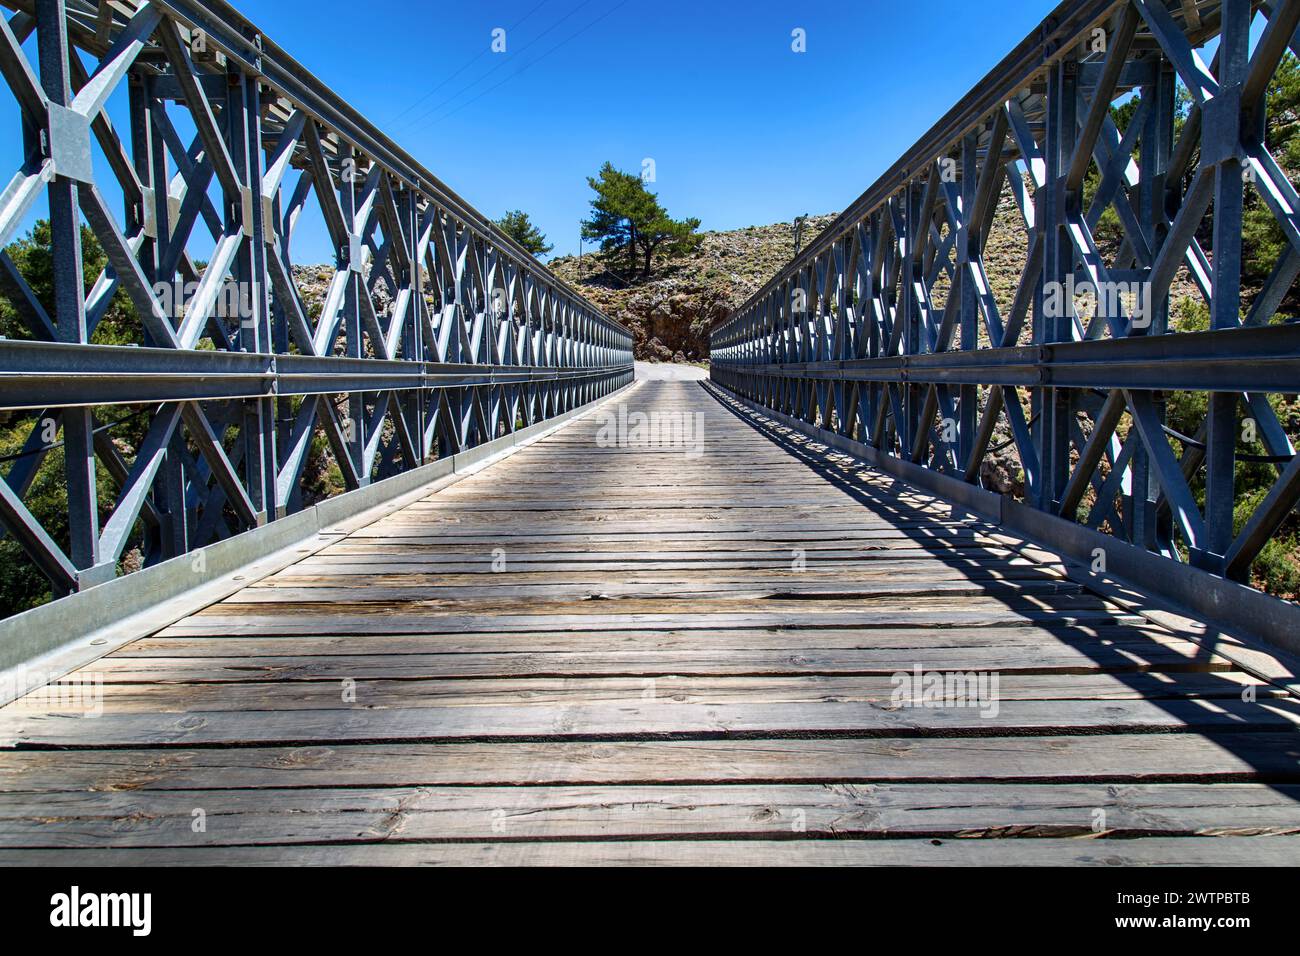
(742, 130)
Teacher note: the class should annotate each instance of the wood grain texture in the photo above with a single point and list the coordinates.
(602, 653)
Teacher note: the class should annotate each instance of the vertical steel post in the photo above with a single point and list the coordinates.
(968, 243)
(1222, 128)
(255, 334)
(1055, 404)
(69, 300)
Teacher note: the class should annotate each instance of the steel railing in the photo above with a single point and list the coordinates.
(889, 330)
(434, 331)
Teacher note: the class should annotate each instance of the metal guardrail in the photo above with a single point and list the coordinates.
(437, 332)
(885, 329)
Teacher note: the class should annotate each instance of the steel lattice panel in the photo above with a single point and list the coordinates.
(849, 337)
(436, 333)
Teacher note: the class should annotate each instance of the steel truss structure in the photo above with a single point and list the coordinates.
(886, 330)
(437, 331)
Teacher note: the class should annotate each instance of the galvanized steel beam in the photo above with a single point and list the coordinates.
(923, 361)
(437, 333)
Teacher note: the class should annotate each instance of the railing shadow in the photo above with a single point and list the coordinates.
(897, 501)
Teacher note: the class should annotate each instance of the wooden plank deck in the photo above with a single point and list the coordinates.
(590, 654)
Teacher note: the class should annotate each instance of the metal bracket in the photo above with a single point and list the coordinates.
(268, 220)
(70, 144)
(1221, 129)
(246, 209)
(148, 212)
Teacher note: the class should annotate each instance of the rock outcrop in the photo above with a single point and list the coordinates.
(670, 314)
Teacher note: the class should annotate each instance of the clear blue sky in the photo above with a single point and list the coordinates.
(743, 131)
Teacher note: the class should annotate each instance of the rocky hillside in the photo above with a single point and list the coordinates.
(670, 315)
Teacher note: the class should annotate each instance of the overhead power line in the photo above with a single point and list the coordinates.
(504, 60)
(464, 66)
(531, 63)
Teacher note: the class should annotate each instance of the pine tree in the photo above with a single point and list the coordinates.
(627, 218)
(520, 228)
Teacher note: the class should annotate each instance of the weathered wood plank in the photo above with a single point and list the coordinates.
(1132, 758)
(155, 691)
(1006, 660)
(589, 654)
(344, 568)
(403, 619)
(946, 811)
(317, 592)
(645, 720)
(1035, 636)
(1155, 851)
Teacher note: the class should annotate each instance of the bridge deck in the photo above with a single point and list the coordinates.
(603, 654)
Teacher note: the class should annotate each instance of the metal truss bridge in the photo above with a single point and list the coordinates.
(410, 567)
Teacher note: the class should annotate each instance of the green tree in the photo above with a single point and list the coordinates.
(627, 218)
(674, 237)
(33, 257)
(21, 585)
(520, 228)
(1263, 240)
(1108, 232)
(621, 202)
